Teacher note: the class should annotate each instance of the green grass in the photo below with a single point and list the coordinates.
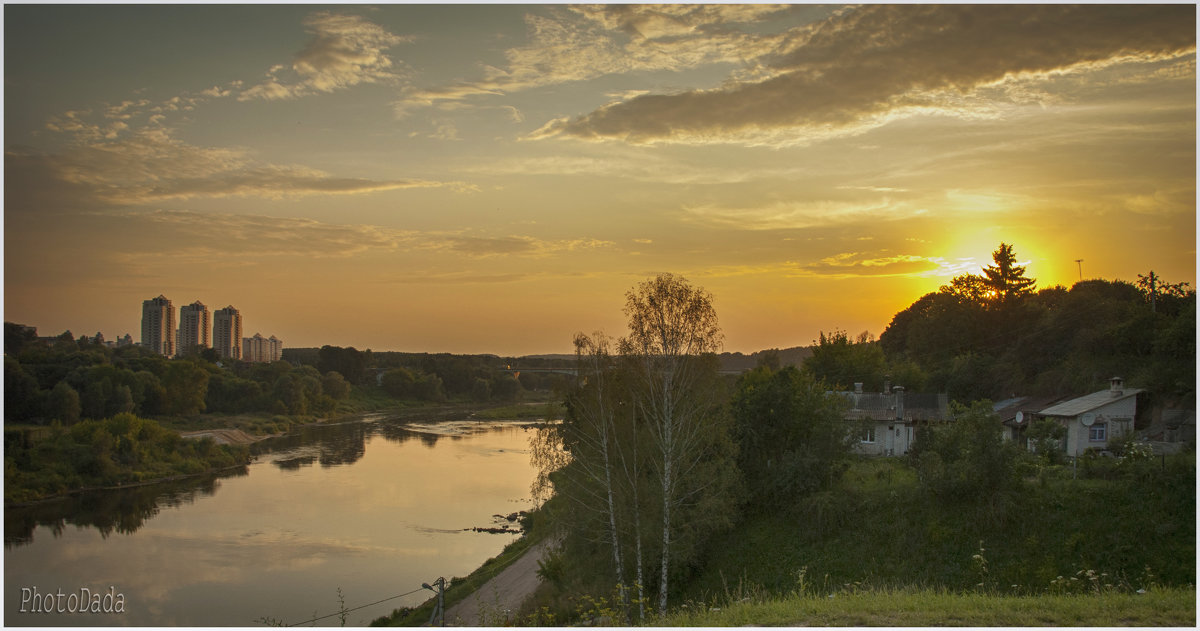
(879, 528)
(1169, 607)
(522, 411)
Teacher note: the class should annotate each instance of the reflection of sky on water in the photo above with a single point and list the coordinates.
(281, 540)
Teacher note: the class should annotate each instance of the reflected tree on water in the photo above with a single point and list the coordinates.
(122, 511)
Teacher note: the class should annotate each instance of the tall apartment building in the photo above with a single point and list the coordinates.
(194, 326)
(261, 349)
(227, 333)
(158, 325)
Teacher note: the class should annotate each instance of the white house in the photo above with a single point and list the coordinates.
(889, 419)
(1094, 419)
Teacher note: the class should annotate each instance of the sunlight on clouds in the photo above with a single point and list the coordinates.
(982, 202)
(585, 42)
(151, 165)
(845, 73)
(792, 215)
(821, 165)
(195, 236)
(346, 50)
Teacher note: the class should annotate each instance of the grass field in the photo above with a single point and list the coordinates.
(1168, 607)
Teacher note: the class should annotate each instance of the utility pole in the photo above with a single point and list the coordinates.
(441, 603)
(1079, 262)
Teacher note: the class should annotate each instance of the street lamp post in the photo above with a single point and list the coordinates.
(441, 603)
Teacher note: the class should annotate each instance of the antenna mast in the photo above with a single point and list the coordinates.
(1079, 262)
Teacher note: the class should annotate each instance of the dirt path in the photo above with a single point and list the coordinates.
(499, 598)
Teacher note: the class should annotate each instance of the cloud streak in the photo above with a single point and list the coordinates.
(800, 214)
(150, 165)
(213, 236)
(860, 68)
(346, 50)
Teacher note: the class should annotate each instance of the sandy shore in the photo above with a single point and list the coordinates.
(225, 436)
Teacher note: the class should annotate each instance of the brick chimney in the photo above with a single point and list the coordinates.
(1116, 386)
(899, 392)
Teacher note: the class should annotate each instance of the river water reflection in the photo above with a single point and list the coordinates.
(375, 507)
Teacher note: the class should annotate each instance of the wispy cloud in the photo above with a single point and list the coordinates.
(513, 245)
(209, 236)
(880, 265)
(582, 42)
(213, 236)
(346, 50)
(152, 165)
(800, 214)
(862, 68)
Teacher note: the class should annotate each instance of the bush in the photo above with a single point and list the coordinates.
(967, 460)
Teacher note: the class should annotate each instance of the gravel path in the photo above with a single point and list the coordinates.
(499, 598)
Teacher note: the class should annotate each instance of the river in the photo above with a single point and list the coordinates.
(373, 507)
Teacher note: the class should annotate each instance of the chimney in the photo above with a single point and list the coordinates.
(887, 384)
(1116, 386)
(858, 387)
(899, 392)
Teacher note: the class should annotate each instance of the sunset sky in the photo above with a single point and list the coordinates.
(494, 178)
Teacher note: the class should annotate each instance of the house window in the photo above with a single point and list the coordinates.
(1098, 432)
(868, 435)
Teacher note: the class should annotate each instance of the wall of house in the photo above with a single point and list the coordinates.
(890, 439)
(1117, 420)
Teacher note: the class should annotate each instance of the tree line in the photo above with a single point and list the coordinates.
(995, 335)
(430, 376)
(68, 380)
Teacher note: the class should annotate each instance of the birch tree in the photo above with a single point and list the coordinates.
(672, 327)
(592, 433)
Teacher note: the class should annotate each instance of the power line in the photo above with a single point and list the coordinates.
(345, 611)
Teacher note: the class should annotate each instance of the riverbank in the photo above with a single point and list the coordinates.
(244, 429)
(120, 452)
(36, 476)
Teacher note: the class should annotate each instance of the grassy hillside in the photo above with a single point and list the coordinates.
(879, 528)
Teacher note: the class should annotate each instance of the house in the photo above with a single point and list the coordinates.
(889, 419)
(1017, 413)
(1092, 420)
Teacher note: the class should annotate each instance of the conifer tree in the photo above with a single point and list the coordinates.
(1006, 279)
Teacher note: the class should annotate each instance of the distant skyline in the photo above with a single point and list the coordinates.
(494, 178)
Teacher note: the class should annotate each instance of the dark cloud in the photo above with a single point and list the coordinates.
(879, 58)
